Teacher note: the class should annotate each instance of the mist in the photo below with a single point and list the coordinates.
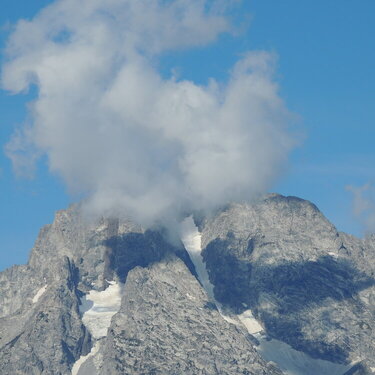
(363, 206)
(132, 141)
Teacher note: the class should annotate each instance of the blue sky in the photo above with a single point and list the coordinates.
(325, 68)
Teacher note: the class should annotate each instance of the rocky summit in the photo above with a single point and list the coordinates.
(266, 288)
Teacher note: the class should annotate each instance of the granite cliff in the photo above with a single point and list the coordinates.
(273, 288)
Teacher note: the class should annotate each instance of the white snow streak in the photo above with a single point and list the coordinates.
(98, 308)
(291, 361)
(39, 293)
(84, 358)
(191, 238)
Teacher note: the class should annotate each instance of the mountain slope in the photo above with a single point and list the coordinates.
(309, 285)
(108, 297)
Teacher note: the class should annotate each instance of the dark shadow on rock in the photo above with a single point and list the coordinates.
(210, 306)
(229, 273)
(130, 250)
(293, 286)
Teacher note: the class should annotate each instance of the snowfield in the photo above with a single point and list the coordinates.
(97, 309)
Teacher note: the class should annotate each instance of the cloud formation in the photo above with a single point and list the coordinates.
(137, 143)
(364, 205)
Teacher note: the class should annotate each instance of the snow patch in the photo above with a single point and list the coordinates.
(84, 358)
(251, 324)
(97, 308)
(39, 293)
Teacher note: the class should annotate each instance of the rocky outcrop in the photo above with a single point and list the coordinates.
(167, 325)
(45, 334)
(359, 369)
(309, 285)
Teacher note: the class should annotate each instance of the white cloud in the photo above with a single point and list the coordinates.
(364, 205)
(135, 142)
(22, 152)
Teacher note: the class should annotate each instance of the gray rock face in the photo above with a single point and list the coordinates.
(309, 285)
(164, 308)
(166, 326)
(359, 369)
(46, 336)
